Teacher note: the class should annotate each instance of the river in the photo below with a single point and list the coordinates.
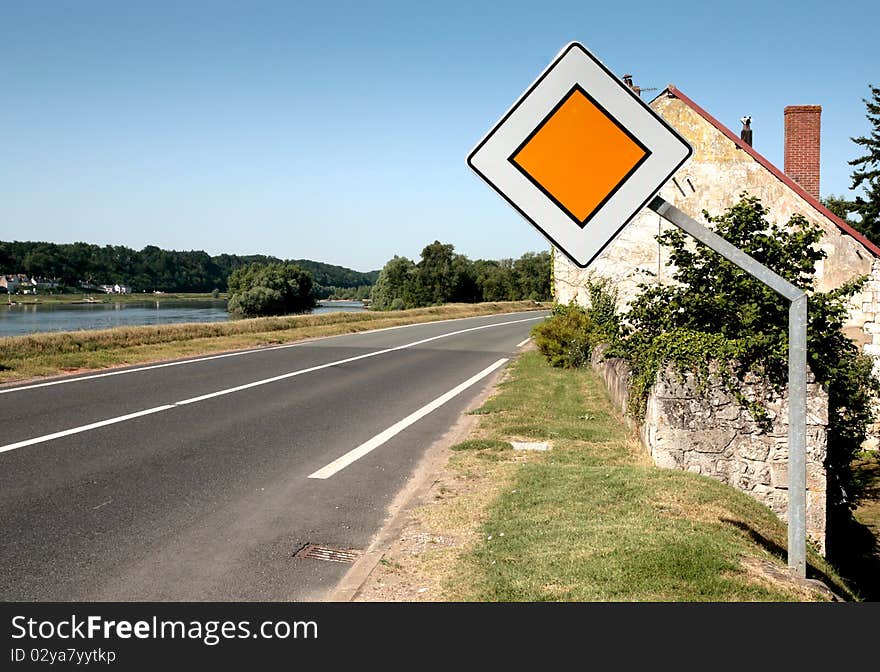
(19, 320)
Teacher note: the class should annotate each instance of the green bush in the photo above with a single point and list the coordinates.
(259, 290)
(567, 337)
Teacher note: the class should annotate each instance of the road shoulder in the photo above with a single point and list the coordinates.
(364, 579)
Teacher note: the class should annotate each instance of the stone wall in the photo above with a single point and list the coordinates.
(708, 432)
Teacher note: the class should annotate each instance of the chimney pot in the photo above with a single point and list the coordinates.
(628, 80)
(802, 144)
(746, 133)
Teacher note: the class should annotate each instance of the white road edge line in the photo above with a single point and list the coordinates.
(522, 343)
(239, 353)
(256, 383)
(368, 447)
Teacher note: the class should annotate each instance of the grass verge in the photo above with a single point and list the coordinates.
(23, 357)
(589, 520)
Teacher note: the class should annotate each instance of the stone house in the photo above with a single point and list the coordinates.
(684, 429)
(722, 167)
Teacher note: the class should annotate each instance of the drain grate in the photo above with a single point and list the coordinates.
(316, 552)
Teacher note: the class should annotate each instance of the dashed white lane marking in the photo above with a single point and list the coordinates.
(368, 447)
(522, 343)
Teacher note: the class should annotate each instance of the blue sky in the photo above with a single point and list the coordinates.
(338, 131)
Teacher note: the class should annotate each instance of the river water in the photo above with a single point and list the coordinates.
(19, 320)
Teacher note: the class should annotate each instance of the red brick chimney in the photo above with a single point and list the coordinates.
(802, 124)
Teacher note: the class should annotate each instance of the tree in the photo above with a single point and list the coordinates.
(442, 276)
(434, 280)
(714, 311)
(151, 268)
(270, 289)
(841, 207)
(464, 281)
(867, 172)
(495, 279)
(532, 272)
(392, 283)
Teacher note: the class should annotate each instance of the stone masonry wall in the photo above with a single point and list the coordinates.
(708, 432)
(865, 311)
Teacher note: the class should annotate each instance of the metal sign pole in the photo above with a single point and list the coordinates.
(797, 436)
(797, 372)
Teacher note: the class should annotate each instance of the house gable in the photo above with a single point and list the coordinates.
(721, 169)
(780, 175)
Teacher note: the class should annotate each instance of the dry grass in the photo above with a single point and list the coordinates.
(100, 297)
(23, 357)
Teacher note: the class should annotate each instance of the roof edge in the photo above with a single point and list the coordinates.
(785, 179)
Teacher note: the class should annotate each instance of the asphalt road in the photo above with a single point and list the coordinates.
(196, 481)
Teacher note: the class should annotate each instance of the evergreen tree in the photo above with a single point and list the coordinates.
(840, 207)
(867, 172)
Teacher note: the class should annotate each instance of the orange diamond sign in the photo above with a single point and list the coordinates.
(579, 154)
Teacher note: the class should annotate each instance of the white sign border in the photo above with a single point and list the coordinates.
(490, 159)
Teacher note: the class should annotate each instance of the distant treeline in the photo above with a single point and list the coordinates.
(155, 269)
(442, 276)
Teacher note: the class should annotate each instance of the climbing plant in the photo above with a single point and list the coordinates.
(715, 319)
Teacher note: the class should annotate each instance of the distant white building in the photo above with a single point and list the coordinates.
(43, 283)
(21, 282)
(12, 283)
(115, 289)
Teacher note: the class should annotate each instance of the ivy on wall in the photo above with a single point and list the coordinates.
(714, 319)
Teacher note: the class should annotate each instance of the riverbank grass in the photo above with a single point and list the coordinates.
(589, 520)
(47, 354)
(101, 297)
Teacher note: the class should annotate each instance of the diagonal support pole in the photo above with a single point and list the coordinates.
(797, 372)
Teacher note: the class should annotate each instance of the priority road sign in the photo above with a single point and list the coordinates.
(579, 154)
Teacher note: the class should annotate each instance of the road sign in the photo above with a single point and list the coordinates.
(579, 154)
